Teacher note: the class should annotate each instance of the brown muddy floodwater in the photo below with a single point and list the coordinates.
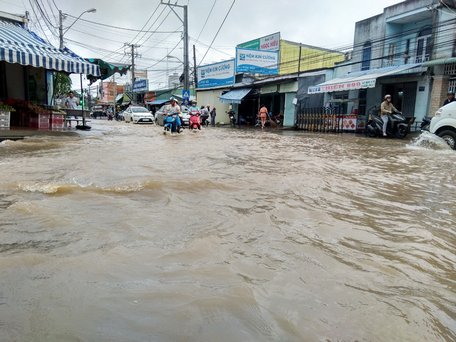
(123, 234)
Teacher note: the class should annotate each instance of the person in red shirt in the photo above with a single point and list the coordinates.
(263, 114)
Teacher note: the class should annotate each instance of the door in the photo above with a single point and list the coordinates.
(403, 96)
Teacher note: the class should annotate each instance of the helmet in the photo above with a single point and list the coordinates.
(172, 98)
(387, 96)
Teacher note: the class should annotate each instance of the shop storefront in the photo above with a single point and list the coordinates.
(27, 66)
(354, 96)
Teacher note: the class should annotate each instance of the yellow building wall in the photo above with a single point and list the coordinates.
(311, 58)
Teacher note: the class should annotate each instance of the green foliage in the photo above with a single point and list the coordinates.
(6, 108)
(62, 84)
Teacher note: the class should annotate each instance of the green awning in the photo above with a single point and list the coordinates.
(107, 69)
(123, 99)
(440, 61)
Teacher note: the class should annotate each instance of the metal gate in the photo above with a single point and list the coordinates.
(328, 120)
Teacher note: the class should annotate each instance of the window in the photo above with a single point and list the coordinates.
(391, 53)
(452, 86)
(367, 55)
(424, 45)
(407, 51)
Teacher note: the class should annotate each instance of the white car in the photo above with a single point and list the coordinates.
(443, 124)
(137, 114)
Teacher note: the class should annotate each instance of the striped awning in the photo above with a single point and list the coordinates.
(19, 45)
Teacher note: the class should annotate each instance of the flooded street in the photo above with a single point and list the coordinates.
(124, 234)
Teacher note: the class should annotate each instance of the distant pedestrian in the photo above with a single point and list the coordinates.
(263, 114)
(213, 115)
(450, 98)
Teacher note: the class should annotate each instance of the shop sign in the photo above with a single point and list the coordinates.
(353, 85)
(257, 62)
(141, 74)
(267, 43)
(141, 85)
(216, 75)
(269, 89)
(289, 87)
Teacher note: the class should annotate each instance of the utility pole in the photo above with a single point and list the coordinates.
(133, 54)
(61, 29)
(195, 74)
(186, 53)
(115, 94)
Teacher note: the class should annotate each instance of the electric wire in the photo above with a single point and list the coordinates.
(216, 34)
(207, 19)
(119, 27)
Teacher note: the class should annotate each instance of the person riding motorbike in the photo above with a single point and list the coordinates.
(194, 112)
(174, 109)
(386, 109)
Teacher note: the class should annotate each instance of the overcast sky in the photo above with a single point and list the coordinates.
(325, 23)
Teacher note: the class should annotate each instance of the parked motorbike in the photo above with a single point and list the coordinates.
(231, 115)
(425, 124)
(398, 125)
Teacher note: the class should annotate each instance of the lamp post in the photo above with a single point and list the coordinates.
(61, 46)
(62, 16)
(169, 56)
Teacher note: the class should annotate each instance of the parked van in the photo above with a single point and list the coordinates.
(443, 124)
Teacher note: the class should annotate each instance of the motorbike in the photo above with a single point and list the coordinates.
(398, 125)
(170, 124)
(231, 114)
(425, 124)
(194, 122)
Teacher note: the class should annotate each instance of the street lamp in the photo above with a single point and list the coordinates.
(169, 56)
(62, 16)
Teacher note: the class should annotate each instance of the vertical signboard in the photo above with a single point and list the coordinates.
(257, 62)
(216, 75)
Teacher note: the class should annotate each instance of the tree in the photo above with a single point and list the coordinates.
(62, 84)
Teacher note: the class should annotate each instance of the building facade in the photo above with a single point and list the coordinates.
(408, 52)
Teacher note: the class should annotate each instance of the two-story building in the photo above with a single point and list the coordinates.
(407, 51)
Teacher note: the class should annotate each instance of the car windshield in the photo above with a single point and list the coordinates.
(139, 110)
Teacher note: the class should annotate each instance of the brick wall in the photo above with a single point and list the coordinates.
(438, 93)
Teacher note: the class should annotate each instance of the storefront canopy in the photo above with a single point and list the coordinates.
(21, 46)
(234, 96)
(359, 80)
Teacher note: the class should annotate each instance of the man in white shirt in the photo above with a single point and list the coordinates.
(71, 102)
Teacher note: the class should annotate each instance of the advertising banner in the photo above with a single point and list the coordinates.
(267, 43)
(351, 85)
(216, 75)
(257, 62)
